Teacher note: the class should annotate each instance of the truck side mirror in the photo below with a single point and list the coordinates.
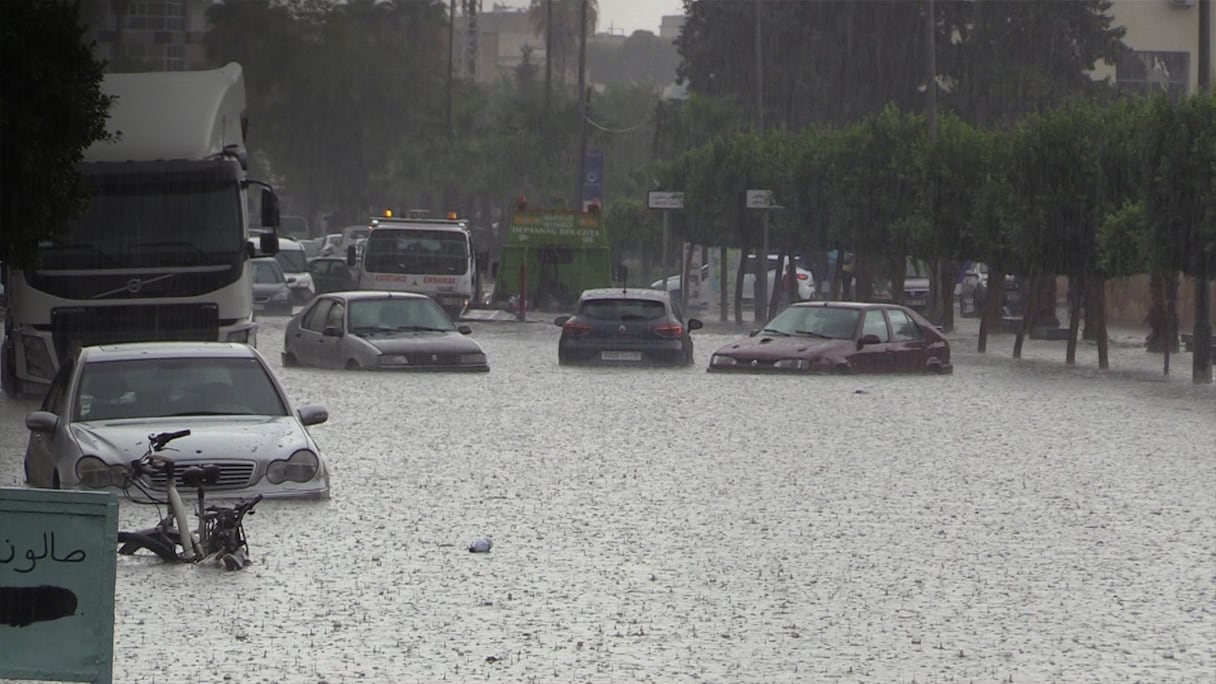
(270, 209)
(350, 255)
(268, 244)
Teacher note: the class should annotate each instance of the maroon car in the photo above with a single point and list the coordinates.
(839, 337)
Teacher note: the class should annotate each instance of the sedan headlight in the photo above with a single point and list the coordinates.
(474, 359)
(301, 467)
(393, 360)
(97, 474)
(723, 361)
(792, 364)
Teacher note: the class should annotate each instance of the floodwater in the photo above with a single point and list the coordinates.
(1019, 521)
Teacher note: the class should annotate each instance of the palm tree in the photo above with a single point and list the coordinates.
(564, 38)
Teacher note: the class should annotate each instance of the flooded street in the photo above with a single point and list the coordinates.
(1019, 521)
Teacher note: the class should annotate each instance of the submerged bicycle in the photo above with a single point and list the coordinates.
(220, 534)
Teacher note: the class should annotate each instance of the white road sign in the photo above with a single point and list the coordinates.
(761, 199)
(663, 199)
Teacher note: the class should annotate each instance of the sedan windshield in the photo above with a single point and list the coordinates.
(265, 273)
(151, 387)
(292, 260)
(816, 321)
(384, 315)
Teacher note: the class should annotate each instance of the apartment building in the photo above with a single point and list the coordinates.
(1164, 38)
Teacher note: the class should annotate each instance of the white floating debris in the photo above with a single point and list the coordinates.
(482, 544)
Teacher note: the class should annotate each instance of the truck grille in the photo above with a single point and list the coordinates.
(82, 326)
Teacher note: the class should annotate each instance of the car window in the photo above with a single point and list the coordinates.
(622, 309)
(149, 387)
(53, 401)
(292, 260)
(876, 324)
(905, 328)
(315, 318)
(335, 316)
(397, 314)
(821, 321)
(265, 272)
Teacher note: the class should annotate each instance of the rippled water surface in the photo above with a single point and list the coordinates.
(1019, 521)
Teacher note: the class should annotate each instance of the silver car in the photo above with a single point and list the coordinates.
(106, 400)
(376, 330)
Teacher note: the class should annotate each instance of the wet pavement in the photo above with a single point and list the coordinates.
(1018, 521)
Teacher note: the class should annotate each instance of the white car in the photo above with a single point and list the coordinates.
(105, 402)
(294, 261)
(806, 280)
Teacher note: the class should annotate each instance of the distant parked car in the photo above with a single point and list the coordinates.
(973, 292)
(294, 262)
(271, 295)
(839, 337)
(916, 285)
(331, 274)
(106, 400)
(377, 330)
(806, 279)
(616, 325)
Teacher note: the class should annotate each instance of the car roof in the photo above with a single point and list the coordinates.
(166, 350)
(365, 295)
(625, 293)
(849, 305)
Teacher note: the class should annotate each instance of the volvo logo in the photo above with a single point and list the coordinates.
(434, 358)
(755, 363)
(134, 284)
(621, 329)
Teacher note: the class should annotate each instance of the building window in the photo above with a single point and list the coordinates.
(1152, 72)
(156, 15)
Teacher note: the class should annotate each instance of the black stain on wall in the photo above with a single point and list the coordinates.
(23, 606)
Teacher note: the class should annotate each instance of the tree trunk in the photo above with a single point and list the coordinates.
(1091, 315)
(992, 308)
(1163, 313)
(723, 269)
(1030, 295)
(1076, 288)
(739, 273)
(778, 291)
(1097, 304)
(949, 276)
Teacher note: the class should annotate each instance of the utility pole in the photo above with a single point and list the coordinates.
(1201, 373)
(760, 284)
(451, 57)
(582, 104)
(759, 72)
(548, 61)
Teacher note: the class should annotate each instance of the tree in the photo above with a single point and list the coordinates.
(51, 110)
(565, 29)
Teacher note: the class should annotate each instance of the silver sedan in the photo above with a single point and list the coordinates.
(105, 401)
(374, 330)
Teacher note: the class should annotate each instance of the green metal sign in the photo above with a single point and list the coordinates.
(556, 229)
(57, 565)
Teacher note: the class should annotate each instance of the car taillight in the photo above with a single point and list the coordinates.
(670, 330)
(802, 276)
(575, 328)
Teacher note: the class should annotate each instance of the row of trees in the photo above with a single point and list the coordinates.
(1090, 190)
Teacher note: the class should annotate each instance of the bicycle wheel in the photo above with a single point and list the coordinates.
(130, 543)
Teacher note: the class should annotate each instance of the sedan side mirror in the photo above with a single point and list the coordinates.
(42, 421)
(268, 243)
(351, 255)
(695, 324)
(332, 331)
(312, 414)
(560, 320)
(868, 339)
(464, 330)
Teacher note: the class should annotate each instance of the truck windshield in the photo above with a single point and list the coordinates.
(417, 251)
(152, 219)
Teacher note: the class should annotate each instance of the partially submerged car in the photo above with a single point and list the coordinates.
(380, 330)
(618, 325)
(839, 337)
(106, 400)
(271, 295)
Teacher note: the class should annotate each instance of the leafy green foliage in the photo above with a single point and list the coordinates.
(51, 109)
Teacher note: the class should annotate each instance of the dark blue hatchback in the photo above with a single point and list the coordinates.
(622, 326)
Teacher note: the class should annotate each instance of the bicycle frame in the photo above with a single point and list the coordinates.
(193, 550)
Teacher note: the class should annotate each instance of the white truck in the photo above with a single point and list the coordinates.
(161, 252)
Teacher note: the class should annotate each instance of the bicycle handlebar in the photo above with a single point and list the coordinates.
(158, 442)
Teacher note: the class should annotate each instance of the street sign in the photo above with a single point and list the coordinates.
(663, 199)
(761, 199)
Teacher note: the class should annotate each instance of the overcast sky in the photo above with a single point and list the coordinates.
(623, 16)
